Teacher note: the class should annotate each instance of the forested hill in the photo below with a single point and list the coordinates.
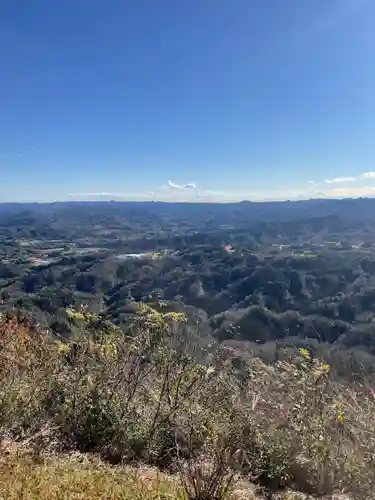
(264, 276)
(202, 213)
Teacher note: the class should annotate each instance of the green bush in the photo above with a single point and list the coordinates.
(141, 398)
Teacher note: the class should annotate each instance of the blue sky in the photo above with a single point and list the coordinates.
(211, 100)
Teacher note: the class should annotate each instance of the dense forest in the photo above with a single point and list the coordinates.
(260, 277)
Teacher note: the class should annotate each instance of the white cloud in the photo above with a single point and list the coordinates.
(352, 192)
(108, 195)
(189, 185)
(340, 179)
(346, 192)
(173, 185)
(180, 192)
(368, 175)
(96, 195)
(209, 192)
(311, 182)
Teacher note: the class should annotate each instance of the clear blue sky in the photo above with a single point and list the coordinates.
(225, 99)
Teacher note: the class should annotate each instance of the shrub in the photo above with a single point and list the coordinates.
(141, 398)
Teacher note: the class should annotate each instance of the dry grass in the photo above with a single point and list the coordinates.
(72, 478)
(21, 478)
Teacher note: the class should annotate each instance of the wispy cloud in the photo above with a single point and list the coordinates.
(96, 195)
(368, 175)
(354, 192)
(175, 192)
(340, 179)
(189, 185)
(209, 192)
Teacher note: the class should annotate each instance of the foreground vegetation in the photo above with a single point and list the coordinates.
(211, 420)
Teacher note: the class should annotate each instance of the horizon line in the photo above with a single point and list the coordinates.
(186, 202)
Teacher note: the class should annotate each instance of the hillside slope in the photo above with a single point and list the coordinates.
(144, 400)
